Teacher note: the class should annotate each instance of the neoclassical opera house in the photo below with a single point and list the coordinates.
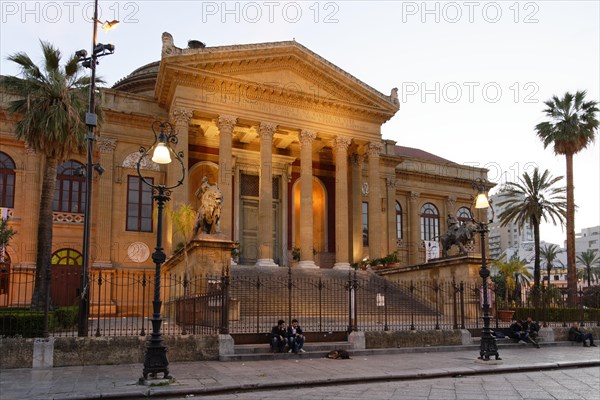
(293, 142)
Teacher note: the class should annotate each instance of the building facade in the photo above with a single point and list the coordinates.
(293, 142)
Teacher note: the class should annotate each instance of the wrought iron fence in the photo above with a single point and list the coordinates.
(239, 303)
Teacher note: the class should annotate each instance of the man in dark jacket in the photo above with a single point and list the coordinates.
(278, 337)
(519, 332)
(295, 337)
(578, 335)
(531, 327)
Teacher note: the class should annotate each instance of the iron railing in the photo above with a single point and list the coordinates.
(251, 303)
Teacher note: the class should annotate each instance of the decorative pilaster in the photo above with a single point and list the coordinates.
(390, 213)
(375, 224)
(414, 228)
(266, 131)
(340, 146)
(226, 123)
(306, 200)
(31, 183)
(103, 197)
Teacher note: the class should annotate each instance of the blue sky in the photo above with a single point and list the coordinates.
(472, 75)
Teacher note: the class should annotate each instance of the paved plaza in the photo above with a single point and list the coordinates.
(567, 372)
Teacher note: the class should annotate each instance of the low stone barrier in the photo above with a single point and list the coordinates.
(73, 351)
(389, 339)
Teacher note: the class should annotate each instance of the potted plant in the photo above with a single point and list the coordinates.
(511, 272)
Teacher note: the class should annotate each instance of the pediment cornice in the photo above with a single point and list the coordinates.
(237, 66)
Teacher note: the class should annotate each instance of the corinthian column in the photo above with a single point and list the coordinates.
(182, 118)
(306, 200)
(265, 199)
(225, 123)
(104, 196)
(357, 199)
(341, 203)
(375, 225)
(181, 195)
(414, 228)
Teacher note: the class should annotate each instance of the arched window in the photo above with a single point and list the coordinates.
(69, 194)
(365, 223)
(463, 214)
(7, 181)
(398, 221)
(430, 222)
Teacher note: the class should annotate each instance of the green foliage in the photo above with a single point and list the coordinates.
(6, 232)
(21, 322)
(560, 314)
(591, 297)
(66, 317)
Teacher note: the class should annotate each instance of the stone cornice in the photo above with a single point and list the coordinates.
(216, 85)
(249, 53)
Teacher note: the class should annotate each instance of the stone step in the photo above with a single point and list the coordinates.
(308, 347)
(385, 351)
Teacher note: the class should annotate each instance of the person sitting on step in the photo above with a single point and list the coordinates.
(295, 337)
(576, 334)
(278, 337)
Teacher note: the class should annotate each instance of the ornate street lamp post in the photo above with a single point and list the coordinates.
(488, 346)
(98, 50)
(155, 358)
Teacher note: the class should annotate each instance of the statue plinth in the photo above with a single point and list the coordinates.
(207, 254)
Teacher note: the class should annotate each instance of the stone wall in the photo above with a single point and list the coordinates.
(72, 351)
(388, 339)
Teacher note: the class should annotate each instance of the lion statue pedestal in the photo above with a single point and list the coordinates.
(207, 254)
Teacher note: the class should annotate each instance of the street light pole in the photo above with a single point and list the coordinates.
(91, 120)
(155, 357)
(488, 345)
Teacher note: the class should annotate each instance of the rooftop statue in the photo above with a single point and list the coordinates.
(209, 213)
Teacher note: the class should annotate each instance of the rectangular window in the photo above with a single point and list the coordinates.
(365, 223)
(139, 204)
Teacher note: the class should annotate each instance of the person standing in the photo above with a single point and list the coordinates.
(295, 337)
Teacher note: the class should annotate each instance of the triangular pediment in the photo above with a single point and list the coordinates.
(282, 68)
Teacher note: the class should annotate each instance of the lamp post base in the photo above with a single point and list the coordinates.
(488, 347)
(155, 361)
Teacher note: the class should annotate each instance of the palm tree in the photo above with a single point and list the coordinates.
(589, 258)
(51, 103)
(549, 253)
(183, 219)
(532, 200)
(515, 273)
(572, 127)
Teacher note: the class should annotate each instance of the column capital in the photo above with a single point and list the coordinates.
(390, 183)
(414, 196)
(226, 123)
(341, 143)
(106, 144)
(374, 149)
(266, 130)
(29, 150)
(307, 136)
(450, 201)
(181, 116)
(356, 159)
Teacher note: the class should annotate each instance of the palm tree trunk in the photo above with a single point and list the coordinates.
(41, 290)
(536, 262)
(571, 268)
